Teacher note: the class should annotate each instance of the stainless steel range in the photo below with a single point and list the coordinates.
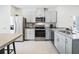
(40, 32)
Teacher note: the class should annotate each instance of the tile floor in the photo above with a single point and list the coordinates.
(35, 47)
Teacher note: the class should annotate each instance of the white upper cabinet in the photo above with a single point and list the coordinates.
(40, 12)
(30, 14)
(30, 19)
(50, 15)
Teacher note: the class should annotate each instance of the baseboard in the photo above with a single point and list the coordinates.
(37, 40)
(56, 48)
(19, 41)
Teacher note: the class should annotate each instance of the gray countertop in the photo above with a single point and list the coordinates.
(62, 33)
(71, 35)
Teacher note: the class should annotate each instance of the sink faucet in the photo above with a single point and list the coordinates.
(70, 28)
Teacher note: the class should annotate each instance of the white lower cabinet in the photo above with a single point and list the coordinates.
(30, 34)
(48, 34)
(63, 43)
(59, 42)
(56, 40)
(68, 45)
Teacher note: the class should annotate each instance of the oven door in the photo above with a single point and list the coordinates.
(40, 33)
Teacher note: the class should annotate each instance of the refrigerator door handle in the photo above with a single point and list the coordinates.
(15, 26)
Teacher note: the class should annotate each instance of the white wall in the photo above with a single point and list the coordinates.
(14, 10)
(4, 19)
(64, 15)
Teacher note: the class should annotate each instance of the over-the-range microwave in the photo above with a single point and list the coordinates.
(40, 19)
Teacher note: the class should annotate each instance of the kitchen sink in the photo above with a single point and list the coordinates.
(65, 31)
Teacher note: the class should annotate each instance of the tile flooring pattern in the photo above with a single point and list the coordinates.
(35, 47)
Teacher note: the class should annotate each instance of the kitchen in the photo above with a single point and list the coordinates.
(43, 23)
(36, 22)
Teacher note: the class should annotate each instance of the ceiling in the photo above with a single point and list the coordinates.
(35, 6)
(42, 6)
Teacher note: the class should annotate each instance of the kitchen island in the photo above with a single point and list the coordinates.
(6, 39)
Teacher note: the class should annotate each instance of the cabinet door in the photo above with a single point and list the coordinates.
(30, 34)
(52, 35)
(25, 34)
(50, 16)
(31, 19)
(48, 34)
(68, 45)
(56, 40)
(59, 42)
(40, 12)
(62, 44)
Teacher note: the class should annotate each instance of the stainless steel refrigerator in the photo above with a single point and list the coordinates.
(16, 25)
